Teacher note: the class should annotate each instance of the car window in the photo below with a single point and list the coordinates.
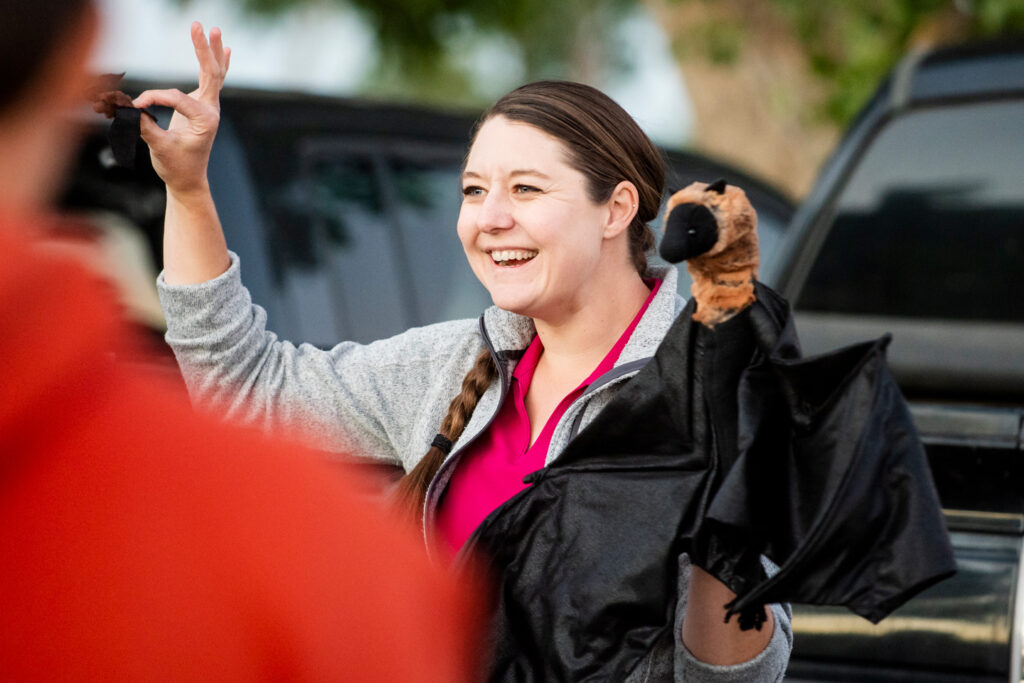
(931, 222)
(365, 245)
(426, 207)
(335, 258)
(770, 229)
(357, 277)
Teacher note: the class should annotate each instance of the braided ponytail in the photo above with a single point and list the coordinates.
(412, 488)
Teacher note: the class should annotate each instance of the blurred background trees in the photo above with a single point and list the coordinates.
(772, 82)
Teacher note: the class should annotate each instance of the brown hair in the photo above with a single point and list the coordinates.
(604, 143)
(607, 146)
(412, 488)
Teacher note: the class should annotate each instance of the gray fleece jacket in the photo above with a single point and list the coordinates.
(386, 400)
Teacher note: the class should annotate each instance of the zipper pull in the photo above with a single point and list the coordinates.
(535, 476)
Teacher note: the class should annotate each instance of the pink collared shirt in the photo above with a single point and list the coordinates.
(492, 468)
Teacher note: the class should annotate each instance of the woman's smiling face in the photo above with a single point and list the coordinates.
(530, 231)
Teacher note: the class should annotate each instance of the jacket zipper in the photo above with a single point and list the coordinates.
(607, 378)
(604, 380)
(601, 382)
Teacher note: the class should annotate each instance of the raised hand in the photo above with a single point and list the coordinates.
(181, 153)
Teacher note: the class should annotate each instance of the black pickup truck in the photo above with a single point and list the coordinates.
(322, 196)
(916, 227)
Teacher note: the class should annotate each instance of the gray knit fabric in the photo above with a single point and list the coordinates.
(386, 400)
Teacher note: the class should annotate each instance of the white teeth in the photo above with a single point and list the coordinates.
(505, 255)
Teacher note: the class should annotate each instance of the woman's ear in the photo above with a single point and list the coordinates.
(622, 207)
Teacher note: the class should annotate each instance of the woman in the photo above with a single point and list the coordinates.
(558, 187)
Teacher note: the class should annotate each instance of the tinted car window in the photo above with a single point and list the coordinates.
(364, 242)
(931, 222)
(360, 261)
(426, 206)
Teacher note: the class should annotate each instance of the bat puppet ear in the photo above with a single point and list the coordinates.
(717, 186)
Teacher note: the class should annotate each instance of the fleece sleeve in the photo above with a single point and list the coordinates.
(767, 667)
(364, 400)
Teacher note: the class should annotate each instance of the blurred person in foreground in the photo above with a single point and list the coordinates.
(136, 541)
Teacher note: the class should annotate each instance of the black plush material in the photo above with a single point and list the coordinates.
(125, 133)
(726, 445)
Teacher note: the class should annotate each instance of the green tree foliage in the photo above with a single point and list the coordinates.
(420, 29)
(420, 40)
(543, 39)
(852, 44)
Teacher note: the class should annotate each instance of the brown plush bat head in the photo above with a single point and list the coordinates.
(714, 229)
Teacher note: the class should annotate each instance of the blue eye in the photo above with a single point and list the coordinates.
(472, 191)
(522, 189)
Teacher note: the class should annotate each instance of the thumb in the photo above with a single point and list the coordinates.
(175, 99)
(151, 131)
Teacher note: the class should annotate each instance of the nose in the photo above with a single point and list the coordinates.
(690, 230)
(495, 212)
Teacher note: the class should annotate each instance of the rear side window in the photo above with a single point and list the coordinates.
(365, 243)
(359, 263)
(426, 211)
(931, 222)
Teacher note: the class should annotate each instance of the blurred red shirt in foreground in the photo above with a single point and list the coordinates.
(138, 542)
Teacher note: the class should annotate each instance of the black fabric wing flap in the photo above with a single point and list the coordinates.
(125, 133)
(726, 445)
(834, 484)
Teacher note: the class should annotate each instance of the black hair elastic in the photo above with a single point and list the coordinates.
(443, 443)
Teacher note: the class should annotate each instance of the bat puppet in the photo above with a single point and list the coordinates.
(124, 133)
(727, 445)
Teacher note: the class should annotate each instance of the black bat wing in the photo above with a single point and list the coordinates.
(832, 481)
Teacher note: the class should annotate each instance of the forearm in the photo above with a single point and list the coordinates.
(706, 634)
(194, 246)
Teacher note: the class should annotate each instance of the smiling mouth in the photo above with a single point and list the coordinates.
(511, 257)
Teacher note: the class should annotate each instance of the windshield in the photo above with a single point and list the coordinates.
(931, 222)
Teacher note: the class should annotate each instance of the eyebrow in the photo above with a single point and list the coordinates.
(518, 172)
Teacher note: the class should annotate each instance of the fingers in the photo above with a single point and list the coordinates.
(217, 47)
(177, 100)
(213, 60)
(199, 110)
(201, 47)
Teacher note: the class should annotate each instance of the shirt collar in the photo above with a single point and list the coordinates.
(511, 333)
